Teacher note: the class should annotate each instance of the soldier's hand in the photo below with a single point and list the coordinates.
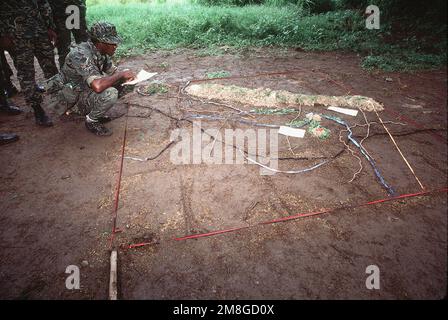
(128, 75)
(52, 36)
(6, 42)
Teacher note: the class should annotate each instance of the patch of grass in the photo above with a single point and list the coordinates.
(156, 88)
(147, 26)
(218, 74)
(164, 65)
(403, 61)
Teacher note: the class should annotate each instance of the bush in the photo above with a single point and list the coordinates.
(318, 6)
(145, 26)
(239, 3)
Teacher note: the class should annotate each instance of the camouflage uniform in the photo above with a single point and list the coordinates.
(4, 82)
(5, 69)
(64, 35)
(82, 66)
(28, 21)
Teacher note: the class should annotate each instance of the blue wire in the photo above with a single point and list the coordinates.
(389, 189)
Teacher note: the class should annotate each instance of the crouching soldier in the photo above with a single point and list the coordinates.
(89, 83)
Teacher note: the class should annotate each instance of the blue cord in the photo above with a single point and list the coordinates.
(389, 189)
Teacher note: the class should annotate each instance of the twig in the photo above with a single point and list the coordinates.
(399, 151)
(154, 157)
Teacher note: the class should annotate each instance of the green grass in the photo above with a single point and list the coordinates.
(156, 88)
(218, 74)
(149, 26)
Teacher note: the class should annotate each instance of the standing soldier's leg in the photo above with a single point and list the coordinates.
(81, 34)
(64, 39)
(5, 137)
(24, 61)
(5, 105)
(6, 75)
(44, 52)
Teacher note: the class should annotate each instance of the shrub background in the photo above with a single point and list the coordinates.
(412, 34)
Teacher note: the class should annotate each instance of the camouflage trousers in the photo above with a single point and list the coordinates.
(23, 56)
(95, 105)
(6, 69)
(4, 78)
(65, 35)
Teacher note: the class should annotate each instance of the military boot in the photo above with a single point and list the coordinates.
(41, 118)
(104, 119)
(10, 108)
(8, 138)
(11, 90)
(97, 128)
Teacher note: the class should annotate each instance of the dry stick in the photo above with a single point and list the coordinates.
(367, 134)
(353, 154)
(290, 148)
(398, 149)
(214, 139)
(153, 157)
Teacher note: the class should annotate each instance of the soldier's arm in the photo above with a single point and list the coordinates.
(101, 84)
(82, 62)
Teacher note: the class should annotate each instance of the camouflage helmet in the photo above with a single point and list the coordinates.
(104, 32)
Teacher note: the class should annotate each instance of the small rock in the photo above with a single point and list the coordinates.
(66, 177)
(389, 79)
(85, 263)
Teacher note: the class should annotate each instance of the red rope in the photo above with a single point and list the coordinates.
(414, 123)
(303, 215)
(118, 187)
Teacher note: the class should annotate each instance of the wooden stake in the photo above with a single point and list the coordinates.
(113, 290)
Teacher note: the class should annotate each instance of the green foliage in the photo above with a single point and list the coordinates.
(156, 88)
(298, 123)
(218, 74)
(318, 6)
(146, 25)
(314, 127)
(403, 61)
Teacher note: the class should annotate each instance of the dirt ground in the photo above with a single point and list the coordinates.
(57, 193)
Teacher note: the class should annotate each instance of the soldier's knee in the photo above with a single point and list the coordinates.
(110, 95)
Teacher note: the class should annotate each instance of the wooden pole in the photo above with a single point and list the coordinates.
(113, 290)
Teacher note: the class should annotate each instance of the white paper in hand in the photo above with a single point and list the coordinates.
(141, 76)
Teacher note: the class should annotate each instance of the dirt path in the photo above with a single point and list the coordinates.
(57, 189)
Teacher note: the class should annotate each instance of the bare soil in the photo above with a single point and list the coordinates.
(57, 193)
